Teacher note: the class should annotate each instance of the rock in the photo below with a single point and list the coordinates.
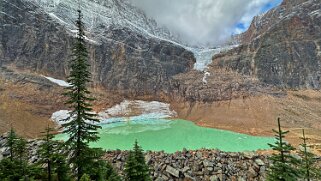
(214, 178)
(262, 170)
(269, 49)
(185, 169)
(159, 179)
(173, 171)
(207, 163)
(133, 63)
(252, 173)
(6, 153)
(248, 155)
(189, 178)
(210, 169)
(148, 158)
(199, 154)
(259, 162)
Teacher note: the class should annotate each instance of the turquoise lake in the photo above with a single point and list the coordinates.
(171, 136)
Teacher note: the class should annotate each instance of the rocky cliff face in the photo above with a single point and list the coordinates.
(122, 59)
(281, 47)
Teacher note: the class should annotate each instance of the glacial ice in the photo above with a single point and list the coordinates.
(144, 111)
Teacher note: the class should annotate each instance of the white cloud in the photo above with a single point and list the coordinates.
(202, 22)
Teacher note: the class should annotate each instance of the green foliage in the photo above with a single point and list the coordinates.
(10, 142)
(47, 151)
(18, 168)
(283, 163)
(308, 166)
(100, 170)
(85, 177)
(135, 167)
(52, 157)
(62, 170)
(80, 128)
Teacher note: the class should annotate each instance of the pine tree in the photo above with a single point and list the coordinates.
(12, 137)
(135, 167)
(47, 151)
(308, 166)
(283, 163)
(80, 128)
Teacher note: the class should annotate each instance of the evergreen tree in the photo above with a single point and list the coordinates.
(16, 167)
(85, 177)
(62, 168)
(135, 167)
(283, 166)
(80, 128)
(11, 142)
(20, 149)
(47, 151)
(308, 166)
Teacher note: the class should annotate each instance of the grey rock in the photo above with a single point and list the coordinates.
(207, 163)
(132, 64)
(173, 171)
(259, 162)
(252, 173)
(214, 178)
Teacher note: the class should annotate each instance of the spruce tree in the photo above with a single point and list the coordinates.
(12, 137)
(135, 167)
(61, 168)
(85, 177)
(21, 152)
(47, 151)
(308, 165)
(283, 166)
(81, 127)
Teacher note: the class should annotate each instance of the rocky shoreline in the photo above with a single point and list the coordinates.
(204, 164)
(212, 165)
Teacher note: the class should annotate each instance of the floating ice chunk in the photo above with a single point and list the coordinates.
(61, 83)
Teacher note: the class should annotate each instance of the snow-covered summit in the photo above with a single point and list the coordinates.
(99, 15)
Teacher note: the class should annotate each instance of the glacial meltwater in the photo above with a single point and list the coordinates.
(158, 134)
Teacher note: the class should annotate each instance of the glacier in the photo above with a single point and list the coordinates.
(128, 110)
(99, 15)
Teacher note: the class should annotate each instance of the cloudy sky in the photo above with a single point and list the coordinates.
(205, 22)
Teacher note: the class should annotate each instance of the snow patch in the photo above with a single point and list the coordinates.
(138, 107)
(61, 83)
(57, 18)
(59, 116)
(138, 111)
(206, 74)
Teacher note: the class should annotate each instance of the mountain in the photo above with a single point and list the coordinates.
(281, 47)
(126, 49)
(273, 71)
(100, 15)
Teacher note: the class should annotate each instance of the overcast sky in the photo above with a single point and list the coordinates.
(202, 22)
